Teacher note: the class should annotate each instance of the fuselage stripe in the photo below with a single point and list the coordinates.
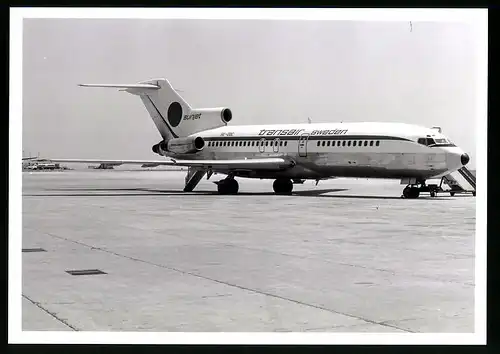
(312, 138)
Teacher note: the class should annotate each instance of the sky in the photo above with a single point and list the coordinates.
(266, 71)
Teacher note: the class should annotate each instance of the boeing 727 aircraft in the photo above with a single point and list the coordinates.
(202, 140)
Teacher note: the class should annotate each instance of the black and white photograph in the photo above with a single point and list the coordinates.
(218, 174)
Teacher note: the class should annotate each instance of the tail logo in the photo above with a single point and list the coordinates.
(174, 114)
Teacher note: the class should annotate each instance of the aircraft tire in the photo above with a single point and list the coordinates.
(228, 186)
(411, 192)
(233, 186)
(283, 186)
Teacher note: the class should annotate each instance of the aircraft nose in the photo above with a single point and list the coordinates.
(464, 159)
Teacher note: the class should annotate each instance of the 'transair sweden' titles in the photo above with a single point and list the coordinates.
(292, 132)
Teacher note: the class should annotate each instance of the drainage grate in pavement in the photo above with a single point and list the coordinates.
(86, 272)
(34, 250)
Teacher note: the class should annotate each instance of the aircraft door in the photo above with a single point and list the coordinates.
(261, 145)
(303, 144)
(276, 146)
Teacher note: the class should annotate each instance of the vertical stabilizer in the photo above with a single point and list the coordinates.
(172, 115)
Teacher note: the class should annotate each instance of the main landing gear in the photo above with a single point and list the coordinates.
(229, 185)
(413, 191)
(283, 186)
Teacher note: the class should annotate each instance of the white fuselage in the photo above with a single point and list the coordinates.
(369, 149)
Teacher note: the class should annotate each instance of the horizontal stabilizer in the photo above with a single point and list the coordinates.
(124, 86)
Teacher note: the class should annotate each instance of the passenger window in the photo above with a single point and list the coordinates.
(266, 142)
(366, 143)
(253, 142)
(371, 143)
(377, 143)
(338, 143)
(319, 142)
(286, 142)
(349, 143)
(323, 143)
(328, 143)
(343, 143)
(354, 143)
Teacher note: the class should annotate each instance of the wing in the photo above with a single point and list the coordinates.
(271, 163)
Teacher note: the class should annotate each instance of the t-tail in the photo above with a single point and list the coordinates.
(172, 115)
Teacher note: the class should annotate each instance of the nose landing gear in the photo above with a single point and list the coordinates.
(413, 191)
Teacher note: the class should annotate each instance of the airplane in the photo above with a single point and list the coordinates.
(202, 140)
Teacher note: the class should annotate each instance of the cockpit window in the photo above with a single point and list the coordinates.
(426, 141)
(435, 142)
(441, 141)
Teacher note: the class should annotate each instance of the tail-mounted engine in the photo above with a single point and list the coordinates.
(215, 115)
(189, 145)
(200, 119)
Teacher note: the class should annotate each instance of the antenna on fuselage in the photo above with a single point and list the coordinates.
(309, 120)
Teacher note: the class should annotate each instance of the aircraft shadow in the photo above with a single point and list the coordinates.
(146, 191)
(137, 192)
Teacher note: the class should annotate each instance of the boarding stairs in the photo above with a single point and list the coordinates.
(461, 181)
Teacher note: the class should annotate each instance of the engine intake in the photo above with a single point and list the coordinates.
(226, 115)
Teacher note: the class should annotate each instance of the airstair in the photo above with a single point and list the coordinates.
(460, 181)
